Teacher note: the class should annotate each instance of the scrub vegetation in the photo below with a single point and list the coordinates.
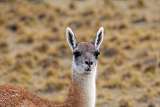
(34, 53)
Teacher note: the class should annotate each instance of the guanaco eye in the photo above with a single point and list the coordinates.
(96, 54)
(77, 53)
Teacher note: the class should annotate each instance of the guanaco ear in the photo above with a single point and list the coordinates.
(71, 39)
(99, 38)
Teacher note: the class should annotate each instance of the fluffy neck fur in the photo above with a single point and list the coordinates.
(86, 87)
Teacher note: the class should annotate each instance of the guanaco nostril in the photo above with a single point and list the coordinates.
(91, 63)
(86, 62)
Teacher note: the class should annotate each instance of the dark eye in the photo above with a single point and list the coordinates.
(96, 54)
(77, 53)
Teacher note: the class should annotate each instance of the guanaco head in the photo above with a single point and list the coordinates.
(85, 54)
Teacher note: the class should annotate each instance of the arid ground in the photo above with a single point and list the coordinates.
(34, 53)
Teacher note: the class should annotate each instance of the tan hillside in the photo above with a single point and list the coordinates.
(34, 53)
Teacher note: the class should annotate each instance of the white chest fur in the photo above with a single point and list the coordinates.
(88, 87)
(90, 92)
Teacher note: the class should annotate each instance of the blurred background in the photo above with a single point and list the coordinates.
(34, 53)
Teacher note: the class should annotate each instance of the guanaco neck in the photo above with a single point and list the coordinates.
(83, 90)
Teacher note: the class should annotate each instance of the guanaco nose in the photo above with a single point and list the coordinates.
(89, 63)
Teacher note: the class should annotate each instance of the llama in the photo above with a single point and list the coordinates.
(82, 92)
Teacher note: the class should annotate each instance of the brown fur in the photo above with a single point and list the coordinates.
(85, 47)
(11, 96)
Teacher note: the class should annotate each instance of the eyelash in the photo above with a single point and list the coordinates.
(77, 53)
(96, 54)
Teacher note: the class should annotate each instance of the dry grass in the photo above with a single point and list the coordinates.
(34, 53)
